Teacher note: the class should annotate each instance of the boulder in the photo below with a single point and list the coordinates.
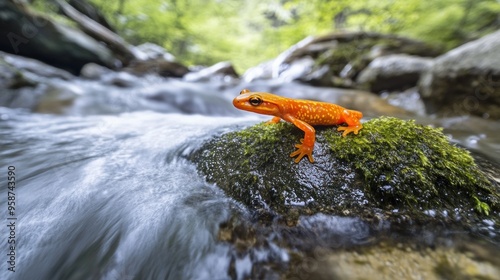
(27, 34)
(393, 170)
(465, 80)
(392, 72)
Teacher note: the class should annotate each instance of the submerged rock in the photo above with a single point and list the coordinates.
(393, 169)
(387, 261)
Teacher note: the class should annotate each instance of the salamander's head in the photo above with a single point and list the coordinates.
(258, 102)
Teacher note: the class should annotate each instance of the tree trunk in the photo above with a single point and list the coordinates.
(90, 11)
(124, 51)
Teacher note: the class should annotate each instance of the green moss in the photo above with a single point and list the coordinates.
(481, 207)
(262, 135)
(413, 165)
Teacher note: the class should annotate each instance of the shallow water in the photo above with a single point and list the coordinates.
(108, 187)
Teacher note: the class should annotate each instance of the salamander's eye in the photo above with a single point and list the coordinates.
(244, 91)
(255, 101)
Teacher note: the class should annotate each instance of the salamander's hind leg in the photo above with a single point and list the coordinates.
(352, 118)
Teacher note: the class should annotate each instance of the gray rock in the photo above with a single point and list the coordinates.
(393, 72)
(154, 51)
(465, 80)
(93, 71)
(259, 72)
(32, 66)
(297, 69)
(219, 71)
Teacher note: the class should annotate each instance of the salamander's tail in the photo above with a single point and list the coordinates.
(355, 114)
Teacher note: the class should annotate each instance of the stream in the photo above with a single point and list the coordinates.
(107, 184)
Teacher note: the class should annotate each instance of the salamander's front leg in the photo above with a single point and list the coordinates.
(307, 143)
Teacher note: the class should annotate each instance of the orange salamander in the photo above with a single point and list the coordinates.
(302, 113)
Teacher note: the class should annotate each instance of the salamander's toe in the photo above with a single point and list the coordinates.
(302, 151)
(349, 129)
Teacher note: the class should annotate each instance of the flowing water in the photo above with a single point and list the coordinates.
(107, 185)
(115, 186)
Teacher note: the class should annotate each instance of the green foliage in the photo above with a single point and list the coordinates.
(249, 32)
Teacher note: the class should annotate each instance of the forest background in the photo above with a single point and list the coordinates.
(204, 32)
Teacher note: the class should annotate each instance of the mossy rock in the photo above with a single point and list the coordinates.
(392, 169)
